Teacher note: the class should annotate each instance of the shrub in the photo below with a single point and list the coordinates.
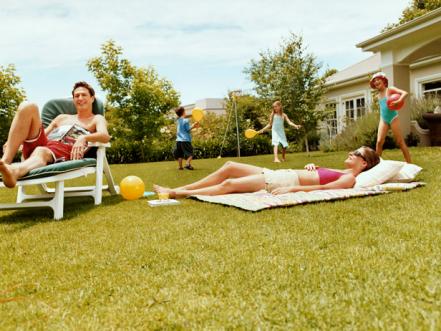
(363, 132)
(207, 143)
(412, 139)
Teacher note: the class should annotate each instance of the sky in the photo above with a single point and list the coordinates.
(201, 46)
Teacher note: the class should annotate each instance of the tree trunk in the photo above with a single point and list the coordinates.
(306, 145)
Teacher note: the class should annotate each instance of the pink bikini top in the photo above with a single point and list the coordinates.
(328, 176)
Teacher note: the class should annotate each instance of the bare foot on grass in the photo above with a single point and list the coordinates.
(9, 175)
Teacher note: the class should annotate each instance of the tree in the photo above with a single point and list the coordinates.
(416, 9)
(291, 75)
(137, 98)
(10, 97)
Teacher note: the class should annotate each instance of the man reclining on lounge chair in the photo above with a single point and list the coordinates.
(44, 146)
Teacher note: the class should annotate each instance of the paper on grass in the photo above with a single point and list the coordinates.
(165, 202)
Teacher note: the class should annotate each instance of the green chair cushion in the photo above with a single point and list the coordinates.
(55, 107)
(59, 168)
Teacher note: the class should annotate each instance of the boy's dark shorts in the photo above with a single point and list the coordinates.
(183, 149)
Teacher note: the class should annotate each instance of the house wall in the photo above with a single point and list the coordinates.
(210, 105)
(421, 75)
(415, 77)
(341, 94)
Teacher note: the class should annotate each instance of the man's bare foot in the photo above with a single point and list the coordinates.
(276, 161)
(9, 176)
(162, 189)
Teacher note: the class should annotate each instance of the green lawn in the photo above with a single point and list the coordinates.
(365, 263)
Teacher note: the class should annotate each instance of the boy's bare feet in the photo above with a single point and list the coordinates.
(161, 189)
(9, 175)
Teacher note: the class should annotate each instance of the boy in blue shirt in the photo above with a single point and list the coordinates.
(184, 149)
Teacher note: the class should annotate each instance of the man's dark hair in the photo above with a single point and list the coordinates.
(85, 85)
(180, 111)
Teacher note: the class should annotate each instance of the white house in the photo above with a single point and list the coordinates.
(409, 54)
(210, 105)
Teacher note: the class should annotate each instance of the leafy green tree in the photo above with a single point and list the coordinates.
(251, 114)
(252, 111)
(10, 97)
(137, 98)
(416, 9)
(291, 74)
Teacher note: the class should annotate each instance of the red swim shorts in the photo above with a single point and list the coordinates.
(59, 150)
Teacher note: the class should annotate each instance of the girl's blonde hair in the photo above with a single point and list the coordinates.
(278, 102)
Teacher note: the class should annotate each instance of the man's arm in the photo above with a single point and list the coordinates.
(101, 135)
(54, 124)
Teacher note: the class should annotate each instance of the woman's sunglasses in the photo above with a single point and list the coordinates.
(359, 154)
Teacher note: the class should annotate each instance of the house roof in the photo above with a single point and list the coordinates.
(376, 43)
(359, 70)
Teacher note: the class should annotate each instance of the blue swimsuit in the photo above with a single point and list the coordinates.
(387, 115)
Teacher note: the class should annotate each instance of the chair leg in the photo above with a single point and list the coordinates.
(20, 194)
(58, 200)
(113, 189)
(98, 191)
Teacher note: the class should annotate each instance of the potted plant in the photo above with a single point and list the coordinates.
(418, 125)
(433, 120)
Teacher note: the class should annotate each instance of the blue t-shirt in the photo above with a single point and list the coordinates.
(183, 130)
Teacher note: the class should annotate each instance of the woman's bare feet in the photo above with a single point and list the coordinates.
(9, 174)
(162, 189)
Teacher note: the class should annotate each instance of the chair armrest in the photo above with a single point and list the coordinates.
(97, 144)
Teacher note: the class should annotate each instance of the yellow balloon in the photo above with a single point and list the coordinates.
(250, 133)
(197, 114)
(132, 187)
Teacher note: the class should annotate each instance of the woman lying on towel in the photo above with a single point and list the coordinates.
(235, 177)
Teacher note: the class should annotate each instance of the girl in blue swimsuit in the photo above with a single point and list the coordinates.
(388, 118)
(276, 123)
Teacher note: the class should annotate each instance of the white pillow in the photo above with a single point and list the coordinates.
(407, 174)
(379, 174)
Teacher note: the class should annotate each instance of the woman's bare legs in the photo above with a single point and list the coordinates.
(251, 183)
(229, 170)
(276, 153)
(396, 131)
(381, 136)
(26, 125)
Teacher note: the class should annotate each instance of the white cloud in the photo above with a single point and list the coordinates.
(59, 34)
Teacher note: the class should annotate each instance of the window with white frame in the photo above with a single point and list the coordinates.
(354, 108)
(432, 89)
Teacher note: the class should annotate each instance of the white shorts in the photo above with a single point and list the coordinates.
(280, 178)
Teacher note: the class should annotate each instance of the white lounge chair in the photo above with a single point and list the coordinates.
(57, 173)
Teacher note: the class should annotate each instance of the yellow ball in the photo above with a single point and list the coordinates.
(132, 187)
